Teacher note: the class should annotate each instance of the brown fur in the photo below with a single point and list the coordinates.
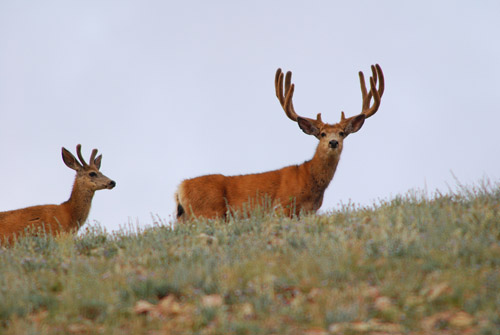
(294, 189)
(66, 217)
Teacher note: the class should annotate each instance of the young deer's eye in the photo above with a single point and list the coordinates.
(93, 174)
(342, 134)
(323, 134)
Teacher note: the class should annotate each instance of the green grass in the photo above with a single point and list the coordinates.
(411, 265)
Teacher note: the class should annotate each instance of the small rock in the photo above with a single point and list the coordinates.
(438, 290)
(213, 300)
(383, 303)
(143, 307)
(461, 320)
(169, 306)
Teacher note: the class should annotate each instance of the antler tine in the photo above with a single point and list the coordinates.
(374, 73)
(381, 85)
(318, 118)
(278, 84)
(79, 153)
(92, 157)
(286, 99)
(377, 75)
(366, 99)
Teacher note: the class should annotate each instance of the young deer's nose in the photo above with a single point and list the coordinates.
(112, 184)
(333, 144)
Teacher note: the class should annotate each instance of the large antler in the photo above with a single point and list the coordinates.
(377, 75)
(286, 99)
(377, 94)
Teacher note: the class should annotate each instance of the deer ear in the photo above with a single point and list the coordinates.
(70, 160)
(308, 126)
(97, 162)
(355, 124)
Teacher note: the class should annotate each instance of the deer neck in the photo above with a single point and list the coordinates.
(322, 168)
(79, 203)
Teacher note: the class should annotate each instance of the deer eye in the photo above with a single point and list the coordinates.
(342, 134)
(323, 134)
(93, 174)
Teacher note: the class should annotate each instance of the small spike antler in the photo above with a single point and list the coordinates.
(92, 157)
(286, 99)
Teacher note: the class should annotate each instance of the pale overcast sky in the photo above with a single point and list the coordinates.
(168, 90)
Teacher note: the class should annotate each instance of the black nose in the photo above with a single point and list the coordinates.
(333, 143)
(112, 184)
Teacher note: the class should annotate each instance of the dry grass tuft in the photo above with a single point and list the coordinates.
(411, 265)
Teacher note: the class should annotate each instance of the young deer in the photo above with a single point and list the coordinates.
(68, 216)
(294, 188)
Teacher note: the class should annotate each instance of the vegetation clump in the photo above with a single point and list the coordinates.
(410, 265)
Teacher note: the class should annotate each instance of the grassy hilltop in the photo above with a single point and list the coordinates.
(410, 265)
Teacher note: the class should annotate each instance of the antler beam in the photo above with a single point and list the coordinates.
(286, 99)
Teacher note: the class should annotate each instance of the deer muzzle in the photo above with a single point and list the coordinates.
(333, 144)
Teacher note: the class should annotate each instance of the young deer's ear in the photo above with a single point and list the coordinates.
(70, 160)
(355, 124)
(308, 126)
(97, 162)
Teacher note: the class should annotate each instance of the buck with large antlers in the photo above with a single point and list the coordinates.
(294, 188)
(68, 216)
